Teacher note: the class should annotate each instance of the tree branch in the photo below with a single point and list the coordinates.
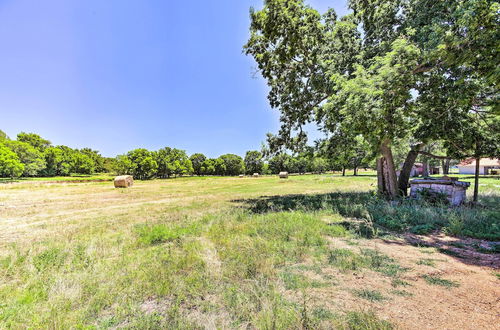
(425, 153)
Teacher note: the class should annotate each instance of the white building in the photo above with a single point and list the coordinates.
(468, 166)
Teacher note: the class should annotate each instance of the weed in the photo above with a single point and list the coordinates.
(335, 230)
(321, 313)
(399, 282)
(365, 321)
(50, 258)
(402, 293)
(422, 229)
(426, 262)
(382, 263)
(161, 233)
(294, 281)
(371, 295)
(345, 259)
(436, 280)
(456, 225)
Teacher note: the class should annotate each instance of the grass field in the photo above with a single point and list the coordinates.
(313, 251)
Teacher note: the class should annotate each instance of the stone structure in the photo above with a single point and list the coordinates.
(283, 175)
(124, 181)
(451, 188)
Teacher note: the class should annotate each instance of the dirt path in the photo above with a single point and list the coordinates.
(409, 301)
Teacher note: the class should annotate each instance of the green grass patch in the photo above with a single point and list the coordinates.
(396, 282)
(346, 260)
(436, 280)
(402, 293)
(365, 321)
(151, 234)
(371, 295)
(426, 262)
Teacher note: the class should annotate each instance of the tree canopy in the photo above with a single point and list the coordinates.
(390, 71)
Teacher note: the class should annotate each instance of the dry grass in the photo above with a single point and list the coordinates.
(190, 253)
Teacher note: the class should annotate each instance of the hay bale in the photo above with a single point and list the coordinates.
(256, 175)
(124, 181)
(283, 175)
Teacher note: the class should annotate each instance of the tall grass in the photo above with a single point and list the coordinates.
(228, 268)
(403, 215)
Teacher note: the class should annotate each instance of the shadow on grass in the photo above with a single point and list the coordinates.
(341, 201)
(416, 223)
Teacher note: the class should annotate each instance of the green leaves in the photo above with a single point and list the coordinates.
(10, 165)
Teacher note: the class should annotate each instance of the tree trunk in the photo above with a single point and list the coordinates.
(476, 181)
(425, 164)
(404, 176)
(380, 175)
(388, 170)
(446, 166)
(355, 171)
(343, 170)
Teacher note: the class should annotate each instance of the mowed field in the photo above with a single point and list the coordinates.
(242, 253)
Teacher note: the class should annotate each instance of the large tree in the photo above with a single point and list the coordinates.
(172, 162)
(197, 161)
(35, 140)
(58, 161)
(253, 162)
(31, 158)
(144, 165)
(10, 165)
(366, 71)
(233, 164)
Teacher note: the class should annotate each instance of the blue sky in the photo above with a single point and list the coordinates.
(116, 75)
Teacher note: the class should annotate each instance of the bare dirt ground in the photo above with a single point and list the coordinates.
(474, 303)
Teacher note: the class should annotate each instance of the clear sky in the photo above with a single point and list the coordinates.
(116, 75)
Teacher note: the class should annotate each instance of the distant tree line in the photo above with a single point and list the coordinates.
(30, 155)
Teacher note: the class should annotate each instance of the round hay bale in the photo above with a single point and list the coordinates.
(256, 175)
(124, 181)
(283, 175)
